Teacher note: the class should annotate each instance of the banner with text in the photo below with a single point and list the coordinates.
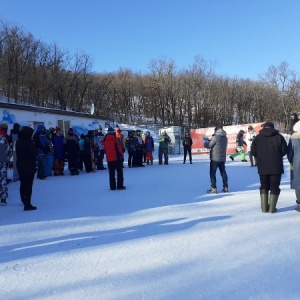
(198, 134)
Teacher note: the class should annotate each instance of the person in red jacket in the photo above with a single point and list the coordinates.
(114, 158)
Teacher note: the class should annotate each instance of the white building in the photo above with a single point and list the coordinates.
(32, 116)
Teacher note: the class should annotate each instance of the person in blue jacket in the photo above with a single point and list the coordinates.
(59, 152)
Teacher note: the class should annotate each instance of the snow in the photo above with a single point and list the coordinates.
(162, 238)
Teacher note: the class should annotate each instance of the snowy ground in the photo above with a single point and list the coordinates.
(162, 238)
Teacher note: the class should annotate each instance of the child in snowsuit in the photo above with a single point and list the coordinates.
(240, 147)
(149, 148)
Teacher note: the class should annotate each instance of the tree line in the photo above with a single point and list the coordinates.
(35, 73)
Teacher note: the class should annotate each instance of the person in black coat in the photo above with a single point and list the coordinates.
(269, 147)
(26, 152)
(72, 151)
(187, 147)
(131, 145)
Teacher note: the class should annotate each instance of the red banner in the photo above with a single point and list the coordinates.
(198, 134)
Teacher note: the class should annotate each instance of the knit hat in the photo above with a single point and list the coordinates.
(219, 126)
(47, 134)
(100, 127)
(17, 126)
(297, 126)
(268, 124)
(4, 126)
(110, 130)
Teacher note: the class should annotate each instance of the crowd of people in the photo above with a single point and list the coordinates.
(46, 151)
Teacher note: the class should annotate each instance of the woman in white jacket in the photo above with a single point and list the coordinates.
(250, 135)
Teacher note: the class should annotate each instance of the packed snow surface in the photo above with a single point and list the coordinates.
(163, 237)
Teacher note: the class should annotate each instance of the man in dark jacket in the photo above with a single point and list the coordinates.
(269, 147)
(26, 157)
(187, 147)
(218, 147)
(131, 145)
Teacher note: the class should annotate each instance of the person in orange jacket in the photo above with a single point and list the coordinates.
(114, 158)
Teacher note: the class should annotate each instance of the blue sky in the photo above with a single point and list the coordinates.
(243, 37)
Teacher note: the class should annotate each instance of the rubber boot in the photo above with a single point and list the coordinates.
(273, 202)
(264, 203)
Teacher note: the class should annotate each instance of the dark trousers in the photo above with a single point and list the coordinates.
(73, 163)
(163, 152)
(88, 164)
(100, 158)
(251, 157)
(187, 150)
(26, 182)
(80, 160)
(139, 157)
(113, 167)
(132, 159)
(270, 183)
(41, 166)
(214, 165)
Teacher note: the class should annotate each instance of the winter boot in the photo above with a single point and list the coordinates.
(272, 203)
(225, 189)
(212, 191)
(29, 207)
(231, 157)
(3, 202)
(298, 206)
(264, 202)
